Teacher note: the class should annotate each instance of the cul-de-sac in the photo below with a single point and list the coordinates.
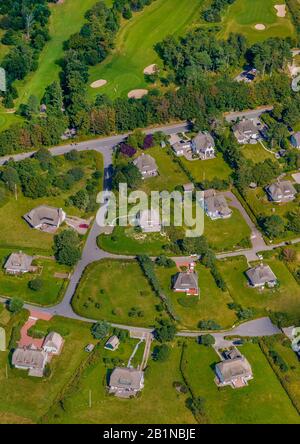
(150, 212)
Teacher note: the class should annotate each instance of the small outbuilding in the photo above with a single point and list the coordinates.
(112, 344)
(53, 343)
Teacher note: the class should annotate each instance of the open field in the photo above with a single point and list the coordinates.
(263, 401)
(212, 304)
(243, 15)
(18, 234)
(24, 398)
(110, 289)
(208, 169)
(285, 298)
(135, 42)
(18, 285)
(256, 153)
(169, 405)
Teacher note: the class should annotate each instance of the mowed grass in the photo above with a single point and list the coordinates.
(18, 285)
(243, 15)
(263, 401)
(257, 153)
(159, 402)
(208, 169)
(109, 289)
(286, 298)
(135, 43)
(26, 399)
(16, 233)
(212, 303)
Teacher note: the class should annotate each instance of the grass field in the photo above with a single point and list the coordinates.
(263, 401)
(208, 169)
(158, 403)
(243, 15)
(23, 398)
(117, 286)
(18, 285)
(135, 44)
(286, 298)
(18, 234)
(256, 153)
(212, 304)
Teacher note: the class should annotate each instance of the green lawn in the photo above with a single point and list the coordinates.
(26, 399)
(18, 285)
(159, 402)
(117, 286)
(170, 173)
(243, 15)
(17, 233)
(256, 153)
(208, 169)
(263, 401)
(227, 234)
(286, 298)
(135, 44)
(212, 304)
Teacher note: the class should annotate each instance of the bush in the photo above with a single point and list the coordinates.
(15, 305)
(36, 284)
(161, 353)
(100, 330)
(207, 340)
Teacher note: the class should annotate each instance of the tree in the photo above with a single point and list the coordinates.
(66, 247)
(36, 284)
(166, 331)
(10, 177)
(273, 226)
(161, 353)
(207, 340)
(164, 261)
(80, 199)
(100, 329)
(15, 305)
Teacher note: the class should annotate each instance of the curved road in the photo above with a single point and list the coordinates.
(92, 253)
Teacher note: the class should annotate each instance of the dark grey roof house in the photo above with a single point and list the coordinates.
(281, 191)
(261, 275)
(246, 131)
(216, 207)
(186, 282)
(235, 372)
(30, 358)
(19, 263)
(204, 145)
(126, 382)
(146, 165)
(44, 216)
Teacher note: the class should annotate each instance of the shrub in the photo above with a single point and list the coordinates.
(36, 284)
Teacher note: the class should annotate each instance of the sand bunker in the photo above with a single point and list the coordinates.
(151, 69)
(260, 27)
(98, 83)
(281, 11)
(137, 93)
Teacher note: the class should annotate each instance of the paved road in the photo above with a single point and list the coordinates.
(250, 114)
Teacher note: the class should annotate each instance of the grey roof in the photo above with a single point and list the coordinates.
(261, 275)
(202, 141)
(145, 163)
(18, 262)
(29, 357)
(112, 342)
(53, 340)
(126, 378)
(231, 369)
(246, 126)
(297, 137)
(181, 146)
(186, 281)
(281, 190)
(218, 204)
(44, 215)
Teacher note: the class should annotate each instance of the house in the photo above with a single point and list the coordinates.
(146, 165)
(112, 343)
(53, 343)
(295, 140)
(126, 382)
(149, 221)
(186, 282)
(30, 358)
(204, 146)
(216, 207)
(281, 191)
(182, 147)
(246, 131)
(45, 217)
(19, 263)
(235, 372)
(260, 276)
